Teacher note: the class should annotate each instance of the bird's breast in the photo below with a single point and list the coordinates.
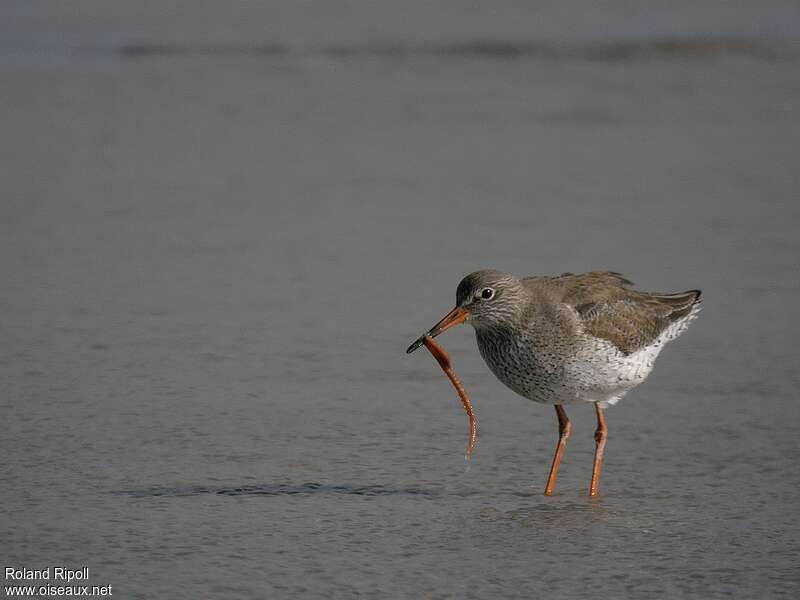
(521, 364)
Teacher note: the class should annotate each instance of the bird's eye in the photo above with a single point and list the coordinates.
(487, 293)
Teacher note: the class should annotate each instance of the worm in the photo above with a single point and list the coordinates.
(444, 361)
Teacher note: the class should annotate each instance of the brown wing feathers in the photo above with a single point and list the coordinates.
(681, 303)
(627, 318)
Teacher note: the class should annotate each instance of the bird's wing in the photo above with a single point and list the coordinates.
(629, 319)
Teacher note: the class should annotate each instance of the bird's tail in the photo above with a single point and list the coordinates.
(681, 304)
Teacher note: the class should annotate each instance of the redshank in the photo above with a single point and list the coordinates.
(568, 339)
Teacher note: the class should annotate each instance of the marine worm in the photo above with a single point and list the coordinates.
(444, 361)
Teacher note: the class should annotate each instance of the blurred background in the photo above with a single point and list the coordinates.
(221, 223)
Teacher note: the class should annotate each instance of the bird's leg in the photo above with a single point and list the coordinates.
(600, 435)
(564, 428)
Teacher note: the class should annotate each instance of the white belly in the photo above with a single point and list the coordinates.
(601, 373)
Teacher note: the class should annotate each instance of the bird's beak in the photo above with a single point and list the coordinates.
(455, 317)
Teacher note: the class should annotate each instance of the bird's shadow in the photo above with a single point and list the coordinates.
(283, 489)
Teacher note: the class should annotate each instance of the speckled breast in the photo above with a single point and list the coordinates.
(516, 361)
(590, 370)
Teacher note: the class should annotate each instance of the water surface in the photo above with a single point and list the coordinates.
(213, 261)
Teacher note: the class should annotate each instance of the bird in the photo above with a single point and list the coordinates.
(568, 339)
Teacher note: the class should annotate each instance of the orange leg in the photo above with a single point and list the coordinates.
(600, 435)
(564, 429)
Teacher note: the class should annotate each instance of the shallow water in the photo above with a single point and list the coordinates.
(213, 262)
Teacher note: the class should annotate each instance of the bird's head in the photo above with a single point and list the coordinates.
(485, 298)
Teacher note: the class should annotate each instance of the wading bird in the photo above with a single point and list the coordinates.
(568, 339)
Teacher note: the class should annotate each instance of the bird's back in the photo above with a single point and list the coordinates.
(607, 308)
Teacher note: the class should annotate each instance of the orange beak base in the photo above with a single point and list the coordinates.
(455, 317)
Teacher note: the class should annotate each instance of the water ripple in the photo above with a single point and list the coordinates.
(282, 489)
(613, 51)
